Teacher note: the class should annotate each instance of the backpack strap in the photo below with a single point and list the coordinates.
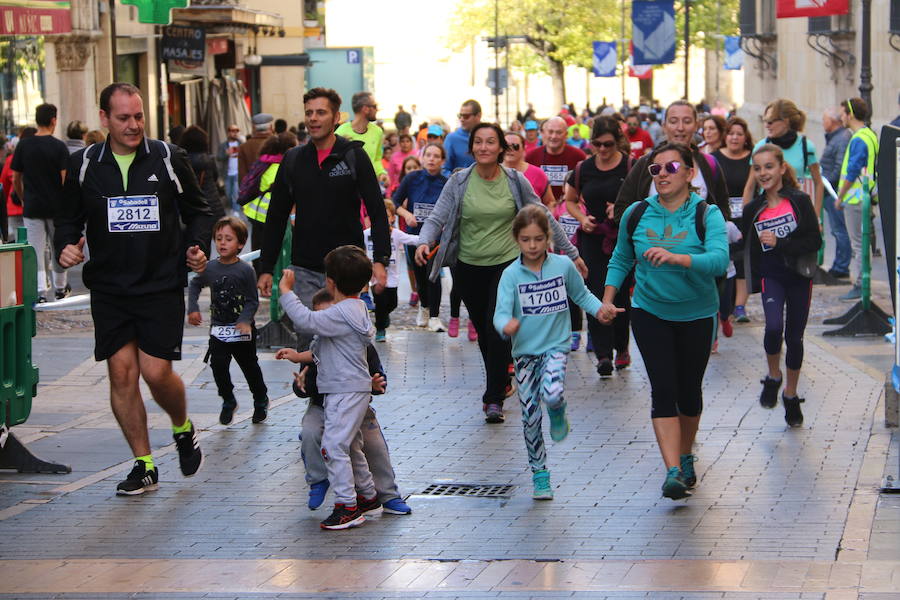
(805, 154)
(85, 161)
(634, 218)
(167, 161)
(578, 179)
(700, 220)
(350, 159)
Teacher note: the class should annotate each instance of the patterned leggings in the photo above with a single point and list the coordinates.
(540, 378)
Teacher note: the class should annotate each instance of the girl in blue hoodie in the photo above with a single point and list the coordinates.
(532, 308)
(679, 246)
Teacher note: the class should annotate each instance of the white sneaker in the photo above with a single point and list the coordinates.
(422, 317)
(434, 324)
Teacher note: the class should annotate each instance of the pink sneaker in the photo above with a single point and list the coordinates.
(473, 335)
(453, 327)
(414, 299)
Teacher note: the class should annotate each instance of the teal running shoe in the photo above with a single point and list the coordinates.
(674, 487)
(542, 489)
(559, 424)
(687, 470)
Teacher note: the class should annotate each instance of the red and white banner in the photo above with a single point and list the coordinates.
(638, 71)
(811, 8)
(35, 17)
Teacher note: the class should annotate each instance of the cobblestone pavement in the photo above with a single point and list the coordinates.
(778, 513)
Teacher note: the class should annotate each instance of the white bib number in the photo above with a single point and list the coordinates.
(543, 297)
(422, 211)
(569, 224)
(228, 333)
(556, 174)
(737, 207)
(132, 213)
(781, 226)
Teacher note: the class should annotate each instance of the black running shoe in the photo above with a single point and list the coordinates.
(343, 517)
(63, 292)
(227, 414)
(368, 507)
(190, 458)
(140, 480)
(768, 398)
(605, 368)
(260, 412)
(793, 416)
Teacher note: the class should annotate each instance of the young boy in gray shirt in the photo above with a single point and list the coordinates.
(344, 331)
(233, 303)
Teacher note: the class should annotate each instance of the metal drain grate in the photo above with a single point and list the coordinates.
(477, 490)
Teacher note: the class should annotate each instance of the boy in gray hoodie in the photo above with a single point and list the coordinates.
(344, 331)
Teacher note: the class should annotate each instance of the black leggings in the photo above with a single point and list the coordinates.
(478, 289)
(455, 299)
(429, 291)
(794, 293)
(385, 303)
(675, 355)
(244, 353)
(605, 338)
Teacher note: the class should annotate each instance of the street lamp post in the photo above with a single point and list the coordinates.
(865, 67)
(687, 44)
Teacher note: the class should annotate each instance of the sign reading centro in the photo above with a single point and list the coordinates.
(183, 43)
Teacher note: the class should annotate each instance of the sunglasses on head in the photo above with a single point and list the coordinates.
(606, 144)
(514, 147)
(672, 167)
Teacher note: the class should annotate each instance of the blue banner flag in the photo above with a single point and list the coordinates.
(734, 55)
(653, 31)
(605, 59)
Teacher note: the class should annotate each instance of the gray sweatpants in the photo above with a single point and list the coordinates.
(375, 450)
(853, 216)
(348, 471)
(40, 236)
(306, 284)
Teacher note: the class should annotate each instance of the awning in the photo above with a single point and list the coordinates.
(227, 17)
(35, 17)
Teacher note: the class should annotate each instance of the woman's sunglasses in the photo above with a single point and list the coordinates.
(606, 144)
(514, 147)
(671, 167)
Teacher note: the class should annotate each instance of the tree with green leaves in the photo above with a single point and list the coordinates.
(559, 34)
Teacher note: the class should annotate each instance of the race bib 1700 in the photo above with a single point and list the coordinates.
(543, 297)
(781, 226)
(132, 213)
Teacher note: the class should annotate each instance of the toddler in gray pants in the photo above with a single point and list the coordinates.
(374, 448)
(343, 332)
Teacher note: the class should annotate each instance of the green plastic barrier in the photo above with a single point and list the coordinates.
(866, 289)
(283, 262)
(18, 293)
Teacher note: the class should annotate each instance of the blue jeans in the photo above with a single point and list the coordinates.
(841, 238)
(231, 191)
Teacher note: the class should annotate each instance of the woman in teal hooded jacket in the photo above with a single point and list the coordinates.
(679, 246)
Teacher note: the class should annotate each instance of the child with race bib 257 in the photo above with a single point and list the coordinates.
(532, 308)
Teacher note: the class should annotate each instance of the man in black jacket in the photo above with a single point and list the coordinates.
(324, 181)
(679, 125)
(133, 194)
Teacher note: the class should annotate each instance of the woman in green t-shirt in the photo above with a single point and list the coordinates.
(472, 220)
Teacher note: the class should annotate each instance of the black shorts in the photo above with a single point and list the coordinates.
(155, 321)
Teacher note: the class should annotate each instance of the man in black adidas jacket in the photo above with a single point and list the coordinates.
(324, 180)
(134, 194)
